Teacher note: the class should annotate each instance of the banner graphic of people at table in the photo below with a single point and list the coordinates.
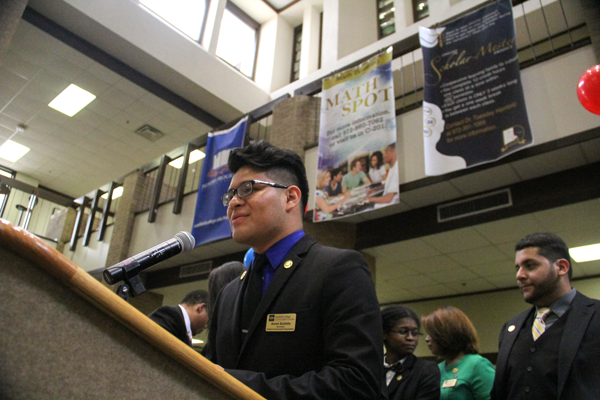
(474, 108)
(358, 163)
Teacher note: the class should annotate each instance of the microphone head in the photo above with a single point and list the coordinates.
(186, 240)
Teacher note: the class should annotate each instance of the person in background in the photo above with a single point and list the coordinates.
(377, 171)
(185, 320)
(217, 280)
(465, 375)
(391, 190)
(407, 377)
(356, 177)
(551, 350)
(220, 277)
(323, 207)
(334, 188)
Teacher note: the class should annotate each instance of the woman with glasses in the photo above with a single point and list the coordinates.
(407, 377)
(465, 375)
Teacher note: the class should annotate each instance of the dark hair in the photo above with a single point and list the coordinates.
(335, 171)
(283, 165)
(549, 246)
(452, 331)
(353, 163)
(379, 156)
(195, 297)
(392, 314)
(220, 277)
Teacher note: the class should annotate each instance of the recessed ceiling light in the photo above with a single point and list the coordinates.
(12, 151)
(194, 156)
(586, 253)
(118, 192)
(71, 100)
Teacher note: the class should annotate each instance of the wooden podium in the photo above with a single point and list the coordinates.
(66, 336)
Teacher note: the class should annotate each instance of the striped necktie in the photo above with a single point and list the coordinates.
(539, 324)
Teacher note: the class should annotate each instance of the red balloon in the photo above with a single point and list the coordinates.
(588, 90)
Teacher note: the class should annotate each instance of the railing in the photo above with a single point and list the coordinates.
(543, 32)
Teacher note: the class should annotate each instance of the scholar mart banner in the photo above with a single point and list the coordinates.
(357, 141)
(473, 109)
(210, 220)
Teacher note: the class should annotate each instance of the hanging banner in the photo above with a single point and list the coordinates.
(358, 168)
(473, 109)
(210, 220)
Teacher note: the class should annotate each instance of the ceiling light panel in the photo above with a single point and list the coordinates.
(12, 151)
(586, 253)
(71, 100)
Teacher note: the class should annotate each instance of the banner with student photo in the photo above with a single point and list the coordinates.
(473, 109)
(357, 163)
(210, 219)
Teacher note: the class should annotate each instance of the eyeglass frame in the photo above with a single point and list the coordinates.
(235, 192)
(405, 334)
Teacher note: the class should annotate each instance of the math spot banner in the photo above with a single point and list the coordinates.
(473, 109)
(357, 168)
(210, 220)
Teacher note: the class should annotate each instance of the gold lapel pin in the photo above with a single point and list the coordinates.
(243, 275)
(454, 370)
(399, 378)
(511, 328)
(288, 264)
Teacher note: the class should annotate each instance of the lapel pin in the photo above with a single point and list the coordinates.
(455, 370)
(243, 276)
(399, 378)
(288, 264)
(511, 328)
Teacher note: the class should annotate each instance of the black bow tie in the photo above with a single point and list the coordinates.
(397, 367)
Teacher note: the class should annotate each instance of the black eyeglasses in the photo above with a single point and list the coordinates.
(405, 332)
(245, 189)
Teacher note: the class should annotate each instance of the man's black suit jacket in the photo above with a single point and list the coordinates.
(336, 349)
(578, 353)
(420, 380)
(171, 318)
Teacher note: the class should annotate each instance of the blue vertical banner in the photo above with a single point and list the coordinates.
(473, 108)
(210, 219)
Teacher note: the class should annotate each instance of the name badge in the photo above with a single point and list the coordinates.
(449, 383)
(281, 323)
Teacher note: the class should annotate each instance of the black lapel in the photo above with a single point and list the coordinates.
(281, 277)
(578, 319)
(408, 365)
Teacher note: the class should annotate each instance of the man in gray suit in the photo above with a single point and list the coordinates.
(550, 351)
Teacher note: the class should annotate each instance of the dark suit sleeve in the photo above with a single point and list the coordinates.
(171, 319)
(429, 384)
(352, 337)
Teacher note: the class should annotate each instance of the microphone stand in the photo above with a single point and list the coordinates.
(133, 286)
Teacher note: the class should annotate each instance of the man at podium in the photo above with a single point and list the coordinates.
(304, 322)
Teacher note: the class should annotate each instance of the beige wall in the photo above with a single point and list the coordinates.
(490, 311)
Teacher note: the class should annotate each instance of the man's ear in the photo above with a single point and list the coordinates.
(563, 266)
(294, 197)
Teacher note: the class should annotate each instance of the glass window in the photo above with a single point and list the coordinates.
(420, 9)
(3, 196)
(385, 17)
(237, 40)
(186, 15)
(296, 53)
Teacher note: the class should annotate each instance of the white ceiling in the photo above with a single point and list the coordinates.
(76, 155)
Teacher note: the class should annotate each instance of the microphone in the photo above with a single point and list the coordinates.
(183, 242)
